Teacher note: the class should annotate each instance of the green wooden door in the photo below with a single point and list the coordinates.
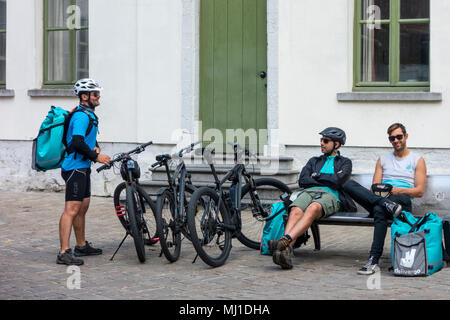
(233, 63)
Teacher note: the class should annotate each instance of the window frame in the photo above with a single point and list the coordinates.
(3, 83)
(48, 84)
(394, 21)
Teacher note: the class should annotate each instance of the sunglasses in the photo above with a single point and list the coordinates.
(399, 137)
(95, 93)
(325, 140)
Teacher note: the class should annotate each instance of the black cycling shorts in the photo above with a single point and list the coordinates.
(78, 184)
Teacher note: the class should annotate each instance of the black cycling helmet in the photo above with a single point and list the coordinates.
(335, 134)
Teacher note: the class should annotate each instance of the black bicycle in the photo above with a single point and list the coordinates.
(172, 203)
(132, 202)
(215, 216)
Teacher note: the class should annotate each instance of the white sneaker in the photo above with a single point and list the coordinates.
(369, 268)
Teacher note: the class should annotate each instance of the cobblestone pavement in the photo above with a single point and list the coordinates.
(29, 243)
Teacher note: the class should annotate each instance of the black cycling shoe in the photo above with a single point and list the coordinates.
(68, 259)
(87, 250)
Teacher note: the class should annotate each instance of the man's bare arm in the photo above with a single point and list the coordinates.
(378, 175)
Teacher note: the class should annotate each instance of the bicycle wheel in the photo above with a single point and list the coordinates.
(268, 192)
(169, 236)
(135, 219)
(149, 207)
(209, 227)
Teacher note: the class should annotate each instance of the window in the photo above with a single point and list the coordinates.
(392, 45)
(2, 43)
(65, 42)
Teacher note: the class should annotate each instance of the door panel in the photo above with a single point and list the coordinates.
(233, 53)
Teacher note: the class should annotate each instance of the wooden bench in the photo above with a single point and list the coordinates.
(435, 199)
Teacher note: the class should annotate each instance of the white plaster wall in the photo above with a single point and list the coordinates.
(135, 51)
(315, 43)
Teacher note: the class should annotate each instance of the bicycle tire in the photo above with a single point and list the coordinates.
(252, 225)
(132, 208)
(169, 240)
(119, 205)
(206, 230)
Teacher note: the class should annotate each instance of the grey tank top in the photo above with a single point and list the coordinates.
(399, 172)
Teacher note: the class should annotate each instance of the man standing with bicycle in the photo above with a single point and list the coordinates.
(82, 149)
(320, 196)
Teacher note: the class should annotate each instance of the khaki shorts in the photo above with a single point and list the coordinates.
(328, 201)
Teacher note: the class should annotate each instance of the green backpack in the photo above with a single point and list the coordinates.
(50, 146)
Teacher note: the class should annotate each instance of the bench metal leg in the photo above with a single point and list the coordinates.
(316, 235)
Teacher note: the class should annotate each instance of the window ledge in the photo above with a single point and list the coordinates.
(389, 96)
(6, 93)
(51, 93)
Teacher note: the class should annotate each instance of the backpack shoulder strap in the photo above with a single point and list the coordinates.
(92, 121)
(91, 124)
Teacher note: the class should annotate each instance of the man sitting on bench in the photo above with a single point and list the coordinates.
(406, 172)
(322, 196)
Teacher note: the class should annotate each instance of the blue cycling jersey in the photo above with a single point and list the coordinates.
(77, 127)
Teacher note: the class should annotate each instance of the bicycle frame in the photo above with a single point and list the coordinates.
(236, 174)
(182, 176)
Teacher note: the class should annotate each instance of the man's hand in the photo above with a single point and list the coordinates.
(103, 158)
(315, 175)
(396, 190)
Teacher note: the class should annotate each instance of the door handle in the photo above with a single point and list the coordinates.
(262, 74)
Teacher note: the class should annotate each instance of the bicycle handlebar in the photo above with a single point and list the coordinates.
(187, 149)
(178, 154)
(122, 156)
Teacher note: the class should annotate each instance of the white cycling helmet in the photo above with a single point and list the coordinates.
(86, 85)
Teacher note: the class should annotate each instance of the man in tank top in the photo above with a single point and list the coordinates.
(406, 172)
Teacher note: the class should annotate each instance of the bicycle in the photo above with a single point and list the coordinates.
(172, 202)
(137, 202)
(215, 216)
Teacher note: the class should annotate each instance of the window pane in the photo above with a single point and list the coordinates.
(2, 14)
(2, 57)
(414, 52)
(374, 53)
(57, 13)
(413, 9)
(58, 56)
(84, 12)
(374, 9)
(82, 64)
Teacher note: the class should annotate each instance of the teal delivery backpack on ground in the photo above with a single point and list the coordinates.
(48, 147)
(416, 244)
(274, 226)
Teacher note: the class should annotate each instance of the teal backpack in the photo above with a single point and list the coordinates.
(50, 146)
(430, 226)
(274, 226)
